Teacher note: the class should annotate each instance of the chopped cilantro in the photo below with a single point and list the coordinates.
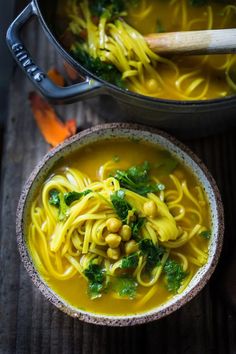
(105, 71)
(120, 205)
(125, 286)
(110, 8)
(152, 253)
(57, 199)
(63, 208)
(70, 197)
(206, 234)
(174, 275)
(136, 179)
(62, 201)
(130, 261)
(136, 227)
(54, 198)
(96, 277)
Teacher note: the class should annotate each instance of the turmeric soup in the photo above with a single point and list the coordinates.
(106, 37)
(119, 228)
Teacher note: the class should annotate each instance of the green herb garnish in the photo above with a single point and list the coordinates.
(96, 277)
(54, 198)
(62, 201)
(125, 286)
(136, 227)
(174, 275)
(152, 253)
(136, 179)
(71, 197)
(120, 205)
(57, 199)
(63, 208)
(130, 261)
(206, 234)
(110, 8)
(105, 71)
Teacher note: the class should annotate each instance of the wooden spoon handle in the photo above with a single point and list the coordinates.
(193, 42)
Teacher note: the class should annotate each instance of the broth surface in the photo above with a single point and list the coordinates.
(167, 16)
(97, 41)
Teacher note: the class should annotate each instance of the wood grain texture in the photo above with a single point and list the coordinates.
(29, 324)
(193, 42)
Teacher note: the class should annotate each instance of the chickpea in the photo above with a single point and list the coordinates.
(113, 253)
(125, 233)
(113, 240)
(131, 247)
(113, 224)
(150, 209)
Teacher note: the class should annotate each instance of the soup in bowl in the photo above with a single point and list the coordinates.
(120, 225)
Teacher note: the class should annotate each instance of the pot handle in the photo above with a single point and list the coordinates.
(51, 91)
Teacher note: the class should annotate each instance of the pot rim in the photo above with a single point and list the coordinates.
(76, 65)
(115, 320)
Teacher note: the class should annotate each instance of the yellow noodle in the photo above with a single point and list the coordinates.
(63, 248)
(143, 71)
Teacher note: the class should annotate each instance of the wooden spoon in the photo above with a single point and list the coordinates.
(193, 42)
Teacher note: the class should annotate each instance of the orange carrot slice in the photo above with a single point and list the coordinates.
(52, 128)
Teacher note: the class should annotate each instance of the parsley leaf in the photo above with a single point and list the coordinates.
(125, 286)
(62, 201)
(54, 198)
(63, 208)
(152, 253)
(120, 205)
(57, 199)
(136, 179)
(206, 234)
(130, 261)
(174, 275)
(136, 227)
(112, 8)
(96, 277)
(70, 197)
(105, 71)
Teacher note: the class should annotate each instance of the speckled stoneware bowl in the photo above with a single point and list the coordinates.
(184, 155)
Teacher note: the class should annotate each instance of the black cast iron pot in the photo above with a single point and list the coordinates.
(184, 118)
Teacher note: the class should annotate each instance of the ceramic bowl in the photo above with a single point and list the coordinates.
(185, 156)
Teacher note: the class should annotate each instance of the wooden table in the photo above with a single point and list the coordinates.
(29, 324)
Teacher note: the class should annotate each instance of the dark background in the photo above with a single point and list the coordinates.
(28, 323)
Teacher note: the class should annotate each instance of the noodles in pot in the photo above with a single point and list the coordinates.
(137, 234)
(107, 38)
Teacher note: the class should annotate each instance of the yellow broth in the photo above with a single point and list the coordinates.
(127, 153)
(174, 77)
(167, 16)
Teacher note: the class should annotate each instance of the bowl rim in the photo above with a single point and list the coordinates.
(102, 319)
